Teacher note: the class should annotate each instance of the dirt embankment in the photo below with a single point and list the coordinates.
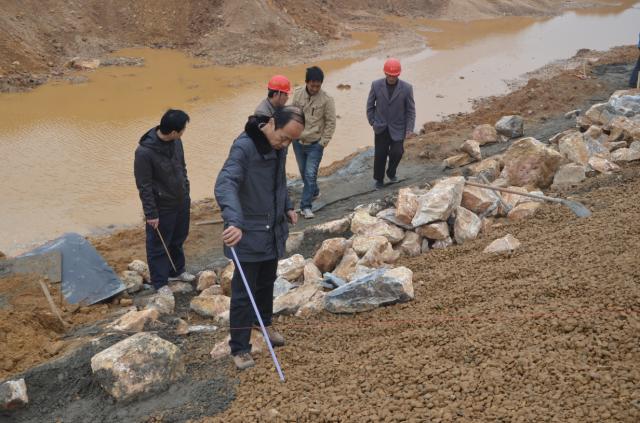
(39, 38)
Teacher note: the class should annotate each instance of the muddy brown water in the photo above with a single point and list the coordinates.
(68, 148)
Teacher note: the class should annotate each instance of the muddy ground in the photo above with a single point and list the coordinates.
(38, 39)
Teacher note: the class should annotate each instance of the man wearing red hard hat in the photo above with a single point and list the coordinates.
(279, 88)
(391, 112)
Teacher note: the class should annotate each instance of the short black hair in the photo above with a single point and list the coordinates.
(271, 93)
(286, 114)
(314, 73)
(173, 120)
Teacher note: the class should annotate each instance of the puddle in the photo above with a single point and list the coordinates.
(68, 148)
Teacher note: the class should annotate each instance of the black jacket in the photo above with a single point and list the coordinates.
(161, 174)
(251, 190)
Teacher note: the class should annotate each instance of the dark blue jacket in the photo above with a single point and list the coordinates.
(251, 190)
(161, 174)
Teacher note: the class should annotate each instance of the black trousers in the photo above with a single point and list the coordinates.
(260, 276)
(386, 147)
(174, 227)
(633, 82)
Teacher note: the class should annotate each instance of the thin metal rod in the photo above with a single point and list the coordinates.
(255, 309)
(166, 250)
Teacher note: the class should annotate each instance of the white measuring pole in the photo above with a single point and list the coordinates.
(255, 309)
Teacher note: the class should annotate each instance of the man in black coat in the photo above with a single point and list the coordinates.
(251, 190)
(161, 178)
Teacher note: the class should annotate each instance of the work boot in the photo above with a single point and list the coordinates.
(393, 179)
(183, 277)
(379, 185)
(243, 361)
(307, 214)
(277, 340)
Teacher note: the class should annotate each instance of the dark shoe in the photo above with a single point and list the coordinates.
(393, 178)
(277, 340)
(316, 196)
(243, 361)
(379, 185)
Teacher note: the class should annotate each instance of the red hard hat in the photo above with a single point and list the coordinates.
(280, 83)
(392, 67)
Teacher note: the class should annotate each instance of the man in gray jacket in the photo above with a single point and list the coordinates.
(391, 112)
(251, 190)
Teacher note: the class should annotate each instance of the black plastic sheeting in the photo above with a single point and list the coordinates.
(86, 277)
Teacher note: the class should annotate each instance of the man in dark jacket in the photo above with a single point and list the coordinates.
(391, 112)
(633, 82)
(161, 178)
(251, 190)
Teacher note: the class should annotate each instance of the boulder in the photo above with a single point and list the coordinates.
(411, 245)
(334, 227)
(389, 215)
(206, 279)
(281, 286)
(132, 281)
(625, 155)
(13, 394)
(294, 242)
(511, 200)
(573, 147)
(510, 126)
(347, 266)
(89, 64)
(141, 268)
(367, 225)
(507, 244)
(604, 166)
(135, 321)
(635, 146)
(178, 287)
(489, 168)
(212, 290)
(485, 134)
(435, 231)
(625, 102)
(163, 301)
(313, 307)
(569, 175)
(407, 205)
(379, 255)
(472, 148)
(222, 349)
(524, 210)
(442, 244)
(139, 365)
(330, 253)
(379, 288)
(557, 137)
(290, 302)
(331, 281)
(210, 305)
(598, 114)
(311, 272)
(292, 268)
(458, 160)
(528, 162)
(362, 244)
(467, 225)
(439, 202)
(425, 246)
(479, 200)
(613, 146)
(225, 278)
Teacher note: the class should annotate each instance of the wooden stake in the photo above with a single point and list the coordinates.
(52, 305)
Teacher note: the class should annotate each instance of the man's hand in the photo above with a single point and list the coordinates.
(410, 135)
(293, 216)
(153, 223)
(231, 236)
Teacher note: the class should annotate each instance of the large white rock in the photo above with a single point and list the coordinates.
(506, 244)
(362, 244)
(135, 321)
(625, 155)
(435, 231)
(313, 307)
(132, 281)
(467, 225)
(625, 102)
(472, 148)
(407, 205)
(490, 168)
(573, 147)
(311, 272)
(141, 364)
(528, 162)
(379, 254)
(225, 278)
(141, 268)
(210, 305)
(330, 253)
(604, 166)
(411, 245)
(290, 302)
(635, 146)
(333, 227)
(485, 134)
(347, 266)
(479, 200)
(382, 287)
(13, 395)
(457, 160)
(569, 175)
(440, 201)
(367, 225)
(510, 126)
(291, 268)
(389, 215)
(206, 279)
(163, 301)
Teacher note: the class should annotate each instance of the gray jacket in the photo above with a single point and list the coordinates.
(251, 190)
(265, 108)
(397, 113)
